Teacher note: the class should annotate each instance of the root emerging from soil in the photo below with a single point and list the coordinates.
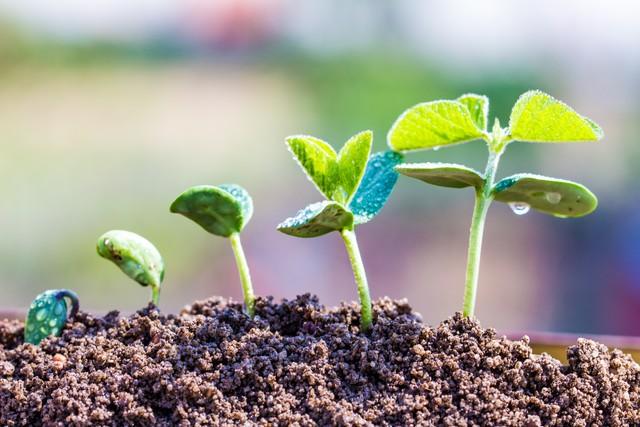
(298, 362)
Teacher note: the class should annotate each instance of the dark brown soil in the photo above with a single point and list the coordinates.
(299, 363)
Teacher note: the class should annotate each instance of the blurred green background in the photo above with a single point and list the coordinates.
(108, 110)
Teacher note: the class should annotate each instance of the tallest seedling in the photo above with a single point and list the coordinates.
(536, 117)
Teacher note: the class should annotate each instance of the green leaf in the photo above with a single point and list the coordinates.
(538, 117)
(319, 161)
(352, 161)
(443, 174)
(377, 183)
(48, 314)
(222, 210)
(135, 255)
(478, 106)
(433, 124)
(318, 219)
(553, 196)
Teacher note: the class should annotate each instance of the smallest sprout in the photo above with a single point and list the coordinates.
(136, 257)
(48, 314)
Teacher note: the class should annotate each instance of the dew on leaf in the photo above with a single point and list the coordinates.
(519, 208)
(553, 197)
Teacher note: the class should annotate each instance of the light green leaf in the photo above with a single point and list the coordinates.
(48, 314)
(478, 106)
(318, 219)
(433, 124)
(442, 174)
(222, 210)
(553, 196)
(319, 161)
(538, 117)
(376, 186)
(135, 255)
(352, 161)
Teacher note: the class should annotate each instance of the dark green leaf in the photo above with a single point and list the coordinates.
(553, 196)
(379, 179)
(442, 174)
(221, 210)
(48, 314)
(318, 219)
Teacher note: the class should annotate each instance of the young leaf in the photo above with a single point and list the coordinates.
(478, 106)
(352, 161)
(135, 255)
(553, 196)
(538, 117)
(433, 124)
(318, 219)
(443, 174)
(376, 186)
(48, 314)
(319, 161)
(221, 210)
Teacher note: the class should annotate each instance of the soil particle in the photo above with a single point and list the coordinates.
(298, 363)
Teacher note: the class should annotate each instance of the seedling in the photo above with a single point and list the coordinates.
(224, 211)
(356, 189)
(136, 257)
(536, 117)
(48, 314)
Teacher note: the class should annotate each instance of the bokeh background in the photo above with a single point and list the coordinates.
(109, 109)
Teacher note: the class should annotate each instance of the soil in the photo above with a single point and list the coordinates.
(298, 363)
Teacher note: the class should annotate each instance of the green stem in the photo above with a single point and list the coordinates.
(245, 277)
(360, 276)
(155, 295)
(483, 200)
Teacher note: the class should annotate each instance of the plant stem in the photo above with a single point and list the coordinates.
(360, 276)
(245, 276)
(155, 295)
(483, 200)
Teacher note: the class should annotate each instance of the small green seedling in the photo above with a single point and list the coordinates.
(136, 257)
(536, 117)
(48, 314)
(222, 210)
(356, 189)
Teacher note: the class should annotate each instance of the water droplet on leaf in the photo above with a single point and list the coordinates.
(553, 197)
(519, 208)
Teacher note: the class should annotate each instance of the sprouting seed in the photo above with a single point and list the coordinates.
(137, 257)
(223, 210)
(356, 188)
(536, 117)
(48, 314)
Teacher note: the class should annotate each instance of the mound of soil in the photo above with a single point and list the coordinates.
(300, 363)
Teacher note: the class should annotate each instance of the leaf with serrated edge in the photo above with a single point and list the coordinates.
(443, 174)
(538, 117)
(318, 219)
(478, 106)
(222, 210)
(433, 124)
(352, 161)
(318, 160)
(137, 257)
(377, 183)
(552, 196)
